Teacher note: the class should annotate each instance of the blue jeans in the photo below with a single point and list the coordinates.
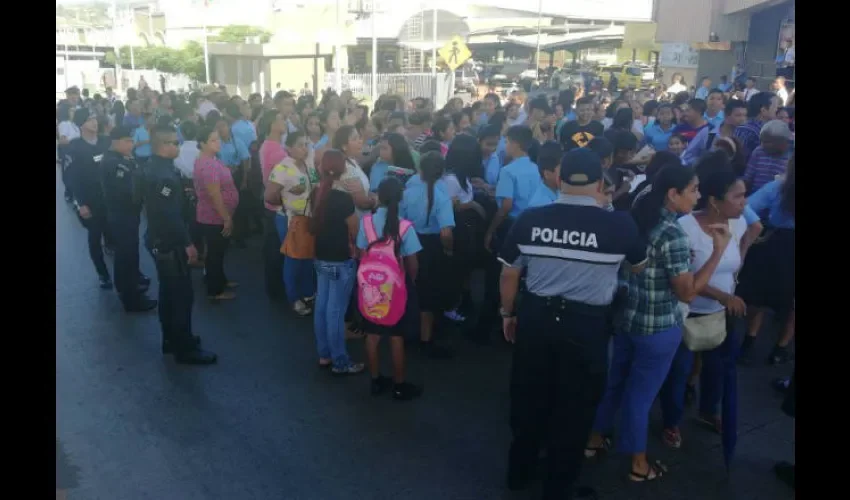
(297, 273)
(336, 280)
(672, 393)
(639, 365)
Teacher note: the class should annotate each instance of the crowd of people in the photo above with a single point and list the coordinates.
(647, 225)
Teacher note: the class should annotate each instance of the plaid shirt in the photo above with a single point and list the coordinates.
(748, 134)
(651, 306)
(763, 168)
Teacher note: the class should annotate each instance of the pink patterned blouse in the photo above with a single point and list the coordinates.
(271, 154)
(208, 170)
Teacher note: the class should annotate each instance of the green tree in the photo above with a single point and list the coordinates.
(237, 33)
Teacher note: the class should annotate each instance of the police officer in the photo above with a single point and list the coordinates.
(83, 175)
(118, 172)
(572, 251)
(168, 240)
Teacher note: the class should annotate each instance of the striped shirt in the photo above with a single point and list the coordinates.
(763, 168)
(748, 134)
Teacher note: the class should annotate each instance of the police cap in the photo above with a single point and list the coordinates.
(581, 167)
(121, 132)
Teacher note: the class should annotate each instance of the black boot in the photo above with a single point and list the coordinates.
(140, 304)
(196, 356)
(167, 349)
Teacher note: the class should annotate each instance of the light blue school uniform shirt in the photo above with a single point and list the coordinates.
(500, 149)
(378, 174)
(656, 137)
(139, 135)
(717, 121)
(544, 195)
(244, 131)
(409, 242)
(702, 93)
(770, 197)
(414, 206)
(492, 165)
(233, 152)
(518, 180)
(321, 142)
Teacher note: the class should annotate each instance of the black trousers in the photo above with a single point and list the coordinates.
(217, 246)
(125, 267)
(272, 258)
(175, 298)
(488, 316)
(560, 364)
(98, 233)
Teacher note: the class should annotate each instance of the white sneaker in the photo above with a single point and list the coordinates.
(301, 308)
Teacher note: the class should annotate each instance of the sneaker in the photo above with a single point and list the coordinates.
(380, 385)
(454, 316)
(349, 369)
(301, 308)
(105, 283)
(406, 391)
(779, 355)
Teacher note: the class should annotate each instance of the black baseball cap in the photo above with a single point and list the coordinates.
(121, 132)
(581, 167)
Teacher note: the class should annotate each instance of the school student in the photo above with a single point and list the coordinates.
(429, 208)
(385, 226)
(549, 165)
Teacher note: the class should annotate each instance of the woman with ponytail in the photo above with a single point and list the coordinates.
(334, 224)
(427, 205)
(650, 321)
(387, 224)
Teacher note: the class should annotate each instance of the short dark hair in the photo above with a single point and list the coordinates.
(584, 100)
(697, 105)
(232, 110)
(158, 135)
(419, 118)
(758, 102)
(189, 130)
(734, 104)
(716, 91)
(490, 131)
(540, 103)
(522, 136)
(549, 156)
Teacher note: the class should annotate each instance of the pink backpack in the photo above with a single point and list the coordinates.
(381, 289)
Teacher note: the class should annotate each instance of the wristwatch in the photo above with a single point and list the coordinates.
(506, 314)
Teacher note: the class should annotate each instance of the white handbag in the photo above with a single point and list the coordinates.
(704, 333)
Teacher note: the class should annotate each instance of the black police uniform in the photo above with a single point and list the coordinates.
(572, 251)
(167, 238)
(84, 176)
(123, 216)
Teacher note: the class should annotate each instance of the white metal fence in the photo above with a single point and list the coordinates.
(407, 85)
(87, 74)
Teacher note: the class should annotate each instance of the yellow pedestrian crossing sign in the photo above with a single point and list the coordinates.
(455, 53)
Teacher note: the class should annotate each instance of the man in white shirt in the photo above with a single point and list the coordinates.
(779, 88)
(750, 90)
(205, 105)
(185, 161)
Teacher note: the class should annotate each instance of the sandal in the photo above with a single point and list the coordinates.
(590, 452)
(654, 471)
(325, 363)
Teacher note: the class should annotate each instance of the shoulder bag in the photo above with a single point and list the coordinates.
(299, 242)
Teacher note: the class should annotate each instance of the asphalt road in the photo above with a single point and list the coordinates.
(266, 424)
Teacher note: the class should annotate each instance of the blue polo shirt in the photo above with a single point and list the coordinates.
(414, 206)
(492, 166)
(321, 142)
(377, 174)
(139, 135)
(717, 121)
(233, 152)
(544, 195)
(656, 137)
(518, 180)
(243, 130)
(409, 242)
(573, 249)
(769, 197)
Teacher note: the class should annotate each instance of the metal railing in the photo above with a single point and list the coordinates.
(407, 85)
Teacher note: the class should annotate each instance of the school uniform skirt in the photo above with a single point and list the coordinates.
(435, 286)
(767, 278)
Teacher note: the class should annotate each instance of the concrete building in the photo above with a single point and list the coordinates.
(708, 38)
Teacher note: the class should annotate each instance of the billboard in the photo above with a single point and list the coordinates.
(626, 10)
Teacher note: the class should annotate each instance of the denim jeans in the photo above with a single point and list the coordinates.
(297, 273)
(639, 366)
(336, 280)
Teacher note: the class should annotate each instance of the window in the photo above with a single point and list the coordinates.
(634, 71)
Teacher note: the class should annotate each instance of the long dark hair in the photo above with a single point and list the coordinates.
(715, 184)
(401, 151)
(659, 160)
(431, 166)
(266, 122)
(647, 210)
(439, 127)
(119, 112)
(789, 189)
(341, 137)
(623, 119)
(464, 159)
(331, 169)
(389, 195)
